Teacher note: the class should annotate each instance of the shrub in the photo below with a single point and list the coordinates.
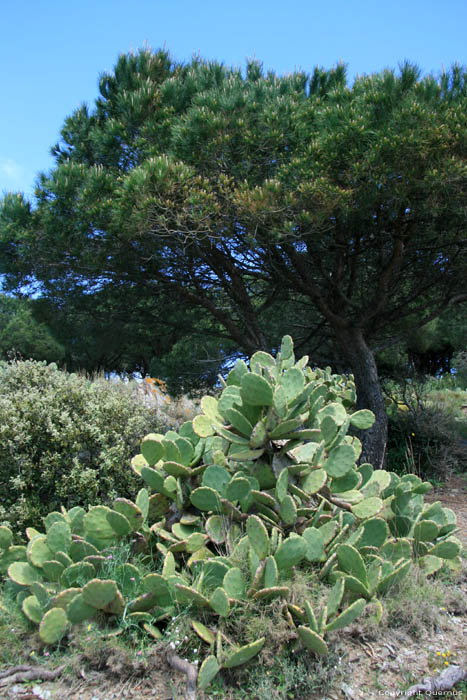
(424, 438)
(64, 440)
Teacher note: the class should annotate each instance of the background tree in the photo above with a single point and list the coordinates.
(21, 335)
(338, 211)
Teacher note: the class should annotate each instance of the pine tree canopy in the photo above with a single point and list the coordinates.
(271, 204)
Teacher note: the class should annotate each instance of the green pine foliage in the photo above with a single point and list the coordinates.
(260, 202)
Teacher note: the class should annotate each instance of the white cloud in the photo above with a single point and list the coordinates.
(10, 169)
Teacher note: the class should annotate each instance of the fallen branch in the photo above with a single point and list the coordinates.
(446, 680)
(189, 669)
(19, 674)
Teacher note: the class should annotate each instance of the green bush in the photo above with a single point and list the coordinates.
(425, 439)
(64, 440)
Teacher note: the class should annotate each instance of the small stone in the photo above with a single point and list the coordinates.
(347, 690)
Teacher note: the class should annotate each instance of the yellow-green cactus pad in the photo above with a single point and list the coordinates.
(15, 553)
(116, 606)
(203, 632)
(53, 626)
(143, 603)
(77, 574)
(186, 595)
(219, 602)
(255, 390)
(314, 544)
(290, 552)
(258, 536)
(52, 570)
(99, 592)
(64, 598)
(244, 654)
(32, 609)
(368, 508)
(6, 537)
(59, 536)
(340, 460)
(119, 523)
(311, 640)
(362, 420)
(271, 592)
(38, 551)
(130, 511)
(152, 448)
(23, 573)
(207, 672)
(347, 616)
(205, 498)
(234, 583)
(97, 528)
(448, 549)
(159, 586)
(78, 610)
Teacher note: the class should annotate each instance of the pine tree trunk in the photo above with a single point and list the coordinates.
(369, 394)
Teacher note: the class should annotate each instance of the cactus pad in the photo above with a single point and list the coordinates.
(97, 528)
(244, 654)
(52, 570)
(314, 481)
(32, 609)
(207, 672)
(340, 460)
(23, 573)
(203, 632)
(152, 448)
(352, 563)
(313, 641)
(448, 549)
(59, 537)
(99, 592)
(314, 544)
(206, 499)
(234, 583)
(362, 420)
(347, 616)
(216, 528)
(159, 586)
(255, 390)
(78, 610)
(119, 523)
(6, 537)
(290, 552)
(186, 595)
(219, 602)
(53, 626)
(367, 508)
(271, 592)
(130, 511)
(258, 536)
(64, 598)
(38, 551)
(77, 574)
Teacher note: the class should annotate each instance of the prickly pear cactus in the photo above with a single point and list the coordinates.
(264, 481)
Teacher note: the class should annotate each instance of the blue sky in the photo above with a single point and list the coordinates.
(52, 51)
